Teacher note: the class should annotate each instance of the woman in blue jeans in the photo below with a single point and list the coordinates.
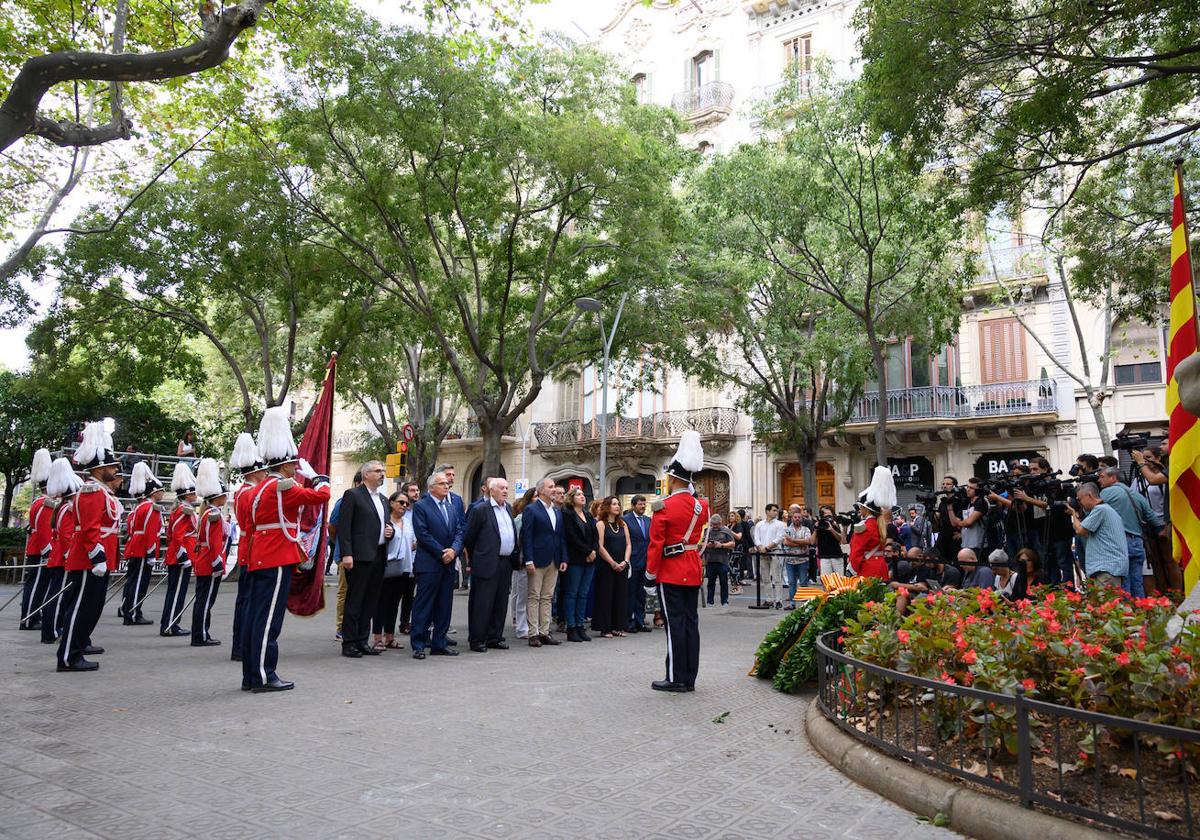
(583, 541)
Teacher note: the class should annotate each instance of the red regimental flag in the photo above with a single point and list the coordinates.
(307, 596)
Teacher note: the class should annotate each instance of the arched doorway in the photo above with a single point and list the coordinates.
(791, 485)
(476, 491)
(714, 486)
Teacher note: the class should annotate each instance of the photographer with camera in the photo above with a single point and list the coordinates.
(1136, 515)
(830, 539)
(947, 503)
(1102, 531)
(972, 524)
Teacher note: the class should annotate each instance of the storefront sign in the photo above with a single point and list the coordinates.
(995, 464)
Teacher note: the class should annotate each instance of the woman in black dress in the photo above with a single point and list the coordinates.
(579, 532)
(610, 612)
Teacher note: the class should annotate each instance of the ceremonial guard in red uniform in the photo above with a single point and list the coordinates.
(209, 563)
(142, 537)
(869, 536)
(37, 544)
(181, 548)
(673, 561)
(275, 548)
(244, 458)
(94, 549)
(60, 492)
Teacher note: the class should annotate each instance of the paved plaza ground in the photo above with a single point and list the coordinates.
(565, 742)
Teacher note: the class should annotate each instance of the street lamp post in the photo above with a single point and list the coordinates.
(593, 305)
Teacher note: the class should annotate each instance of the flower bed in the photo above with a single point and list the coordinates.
(1100, 652)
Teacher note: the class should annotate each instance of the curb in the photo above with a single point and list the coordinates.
(971, 813)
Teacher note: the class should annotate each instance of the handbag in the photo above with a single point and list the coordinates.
(394, 568)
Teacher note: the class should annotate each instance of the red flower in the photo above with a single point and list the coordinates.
(1123, 658)
(1073, 596)
(902, 636)
(969, 657)
(946, 678)
(960, 641)
(1028, 684)
(1053, 626)
(1090, 650)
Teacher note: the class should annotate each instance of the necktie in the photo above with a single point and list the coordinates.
(642, 524)
(446, 512)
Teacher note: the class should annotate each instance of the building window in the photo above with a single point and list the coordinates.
(641, 88)
(798, 58)
(1137, 352)
(1001, 351)
(568, 400)
(704, 69)
(1140, 373)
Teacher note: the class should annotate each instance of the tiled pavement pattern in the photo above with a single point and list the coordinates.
(565, 742)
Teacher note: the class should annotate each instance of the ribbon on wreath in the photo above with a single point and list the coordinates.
(834, 584)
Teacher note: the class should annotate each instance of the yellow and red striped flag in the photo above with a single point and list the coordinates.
(1184, 435)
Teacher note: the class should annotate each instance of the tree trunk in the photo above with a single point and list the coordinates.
(808, 467)
(1096, 402)
(491, 432)
(10, 489)
(882, 384)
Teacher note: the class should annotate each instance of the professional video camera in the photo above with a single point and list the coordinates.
(1129, 441)
(1078, 476)
(848, 518)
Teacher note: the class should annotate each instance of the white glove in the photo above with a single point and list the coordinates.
(303, 468)
(99, 569)
(186, 564)
(651, 590)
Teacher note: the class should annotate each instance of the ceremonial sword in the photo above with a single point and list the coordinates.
(47, 602)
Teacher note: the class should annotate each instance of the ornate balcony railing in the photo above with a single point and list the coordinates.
(665, 425)
(1033, 396)
(469, 430)
(1011, 261)
(713, 96)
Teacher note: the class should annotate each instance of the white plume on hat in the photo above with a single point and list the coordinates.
(208, 480)
(881, 494)
(183, 482)
(62, 480)
(245, 453)
(142, 480)
(97, 444)
(275, 443)
(40, 471)
(690, 454)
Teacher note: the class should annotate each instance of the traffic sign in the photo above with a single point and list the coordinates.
(408, 432)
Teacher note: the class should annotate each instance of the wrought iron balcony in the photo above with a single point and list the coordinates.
(663, 426)
(1002, 399)
(713, 100)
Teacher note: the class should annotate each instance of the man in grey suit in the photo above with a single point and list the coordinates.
(490, 538)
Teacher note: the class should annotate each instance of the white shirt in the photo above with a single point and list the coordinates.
(377, 498)
(508, 535)
(769, 532)
(550, 512)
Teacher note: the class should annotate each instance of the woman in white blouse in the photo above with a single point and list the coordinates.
(398, 580)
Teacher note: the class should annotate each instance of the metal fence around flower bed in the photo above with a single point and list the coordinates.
(1142, 781)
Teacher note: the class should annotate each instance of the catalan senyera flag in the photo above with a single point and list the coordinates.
(1184, 435)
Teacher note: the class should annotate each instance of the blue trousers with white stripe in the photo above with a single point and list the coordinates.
(683, 631)
(264, 619)
(85, 601)
(239, 613)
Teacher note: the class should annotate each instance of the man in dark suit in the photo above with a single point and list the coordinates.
(364, 527)
(490, 538)
(438, 527)
(544, 553)
(639, 539)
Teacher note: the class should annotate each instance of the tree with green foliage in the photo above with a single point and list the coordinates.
(219, 251)
(831, 206)
(799, 357)
(485, 197)
(1021, 93)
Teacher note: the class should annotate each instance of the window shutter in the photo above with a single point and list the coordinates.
(1001, 351)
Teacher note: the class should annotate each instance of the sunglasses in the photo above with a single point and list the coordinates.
(402, 504)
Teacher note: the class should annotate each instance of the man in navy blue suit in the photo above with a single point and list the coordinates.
(544, 553)
(639, 540)
(438, 526)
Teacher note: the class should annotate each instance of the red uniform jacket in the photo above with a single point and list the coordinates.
(866, 552)
(181, 535)
(243, 497)
(670, 526)
(210, 543)
(64, 533)
(145, 526)
(37, 544)
(275, 518)
(97, 522)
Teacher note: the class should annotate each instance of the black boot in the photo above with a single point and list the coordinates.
(583, 636)
(573, 634)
